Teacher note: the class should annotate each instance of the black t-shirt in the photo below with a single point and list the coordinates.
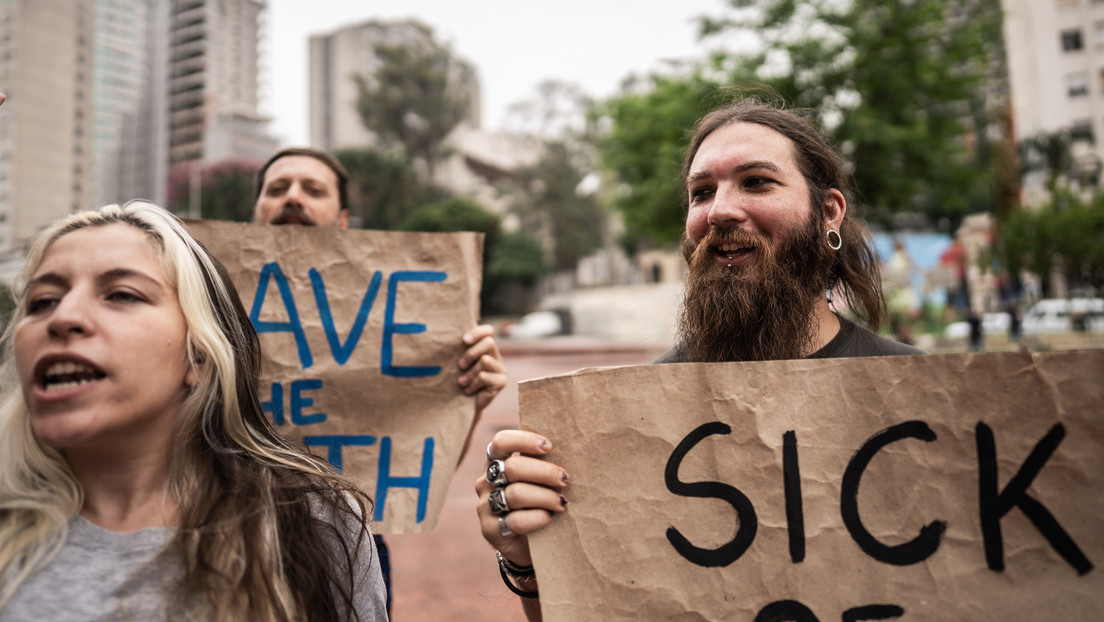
(851, 341)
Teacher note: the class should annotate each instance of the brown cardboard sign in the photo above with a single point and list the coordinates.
(361, 333)
(950, 487)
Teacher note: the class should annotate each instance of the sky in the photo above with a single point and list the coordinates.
(514, 45)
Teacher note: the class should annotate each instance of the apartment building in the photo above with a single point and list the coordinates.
(213, 79)
(123, 161)
(1055, 51)
(45, 129)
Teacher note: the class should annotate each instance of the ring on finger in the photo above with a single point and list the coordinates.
(497, 501)
(496, 473)
(504, 527)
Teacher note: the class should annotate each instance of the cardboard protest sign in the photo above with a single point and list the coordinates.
(361, 333)
(953, 487)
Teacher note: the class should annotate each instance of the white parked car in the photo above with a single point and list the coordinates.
(535, 325)
(1057, 315)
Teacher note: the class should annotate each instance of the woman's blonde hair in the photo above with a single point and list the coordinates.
(258, 517)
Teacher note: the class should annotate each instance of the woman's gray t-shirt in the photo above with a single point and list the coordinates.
(104, 575)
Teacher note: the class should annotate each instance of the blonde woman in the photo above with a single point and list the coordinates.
(139, 477)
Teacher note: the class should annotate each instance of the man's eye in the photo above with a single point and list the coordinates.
(316, 192)
(758, 182)
(700, 194)
(274, 191)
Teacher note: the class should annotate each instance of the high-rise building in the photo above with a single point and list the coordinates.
(1055, 52)
(336, 57)
(213, 80)
(122, 155)
(104, 95)
(45, 130)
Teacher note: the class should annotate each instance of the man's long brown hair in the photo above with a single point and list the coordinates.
(853, 270)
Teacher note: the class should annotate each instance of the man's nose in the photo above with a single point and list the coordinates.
(294, 194)
(727, 208)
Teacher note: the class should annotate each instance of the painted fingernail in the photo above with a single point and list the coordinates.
(545, 445)
(563, 476)
(563, 502)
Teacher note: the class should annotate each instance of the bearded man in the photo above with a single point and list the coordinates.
(767, 236)
(767, 239)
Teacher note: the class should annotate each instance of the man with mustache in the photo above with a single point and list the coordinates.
(767, 235)
(768, 239)
(309, 187)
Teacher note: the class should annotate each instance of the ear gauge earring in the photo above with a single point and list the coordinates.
(834, 244)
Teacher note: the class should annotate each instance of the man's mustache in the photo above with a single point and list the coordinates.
(293, 215)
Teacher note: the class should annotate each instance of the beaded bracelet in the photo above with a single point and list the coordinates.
(510, 570)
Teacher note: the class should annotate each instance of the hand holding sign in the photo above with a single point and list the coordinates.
(532, 494)
(484, 372)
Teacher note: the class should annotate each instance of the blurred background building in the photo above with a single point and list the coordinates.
(1055, 52)
(104, 96)
(336, 57)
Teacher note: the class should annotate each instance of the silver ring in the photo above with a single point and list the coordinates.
(504, 527)
(496, 473)
(490, 456)
(497, 501)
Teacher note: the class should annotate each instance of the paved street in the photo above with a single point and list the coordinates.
(450, 573)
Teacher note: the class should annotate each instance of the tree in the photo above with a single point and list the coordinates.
(225, 189)
(416, 96)
(902, 87)
(648, 130)
(509, 260)
(557, 111)
(550, 199)
(384, 188)
(551, 203)
(1066, 233)
(1050, 153)
(7, 305)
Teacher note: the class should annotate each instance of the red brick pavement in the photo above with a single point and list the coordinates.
(450, 573)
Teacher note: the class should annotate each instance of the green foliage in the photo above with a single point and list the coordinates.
(416, 96)
(1067, 233)
(516, 258)
(7, 305)
(454, 214)
(508, 259)
(384, 188)
(648, 133)
(225, 189)
(1052, 154)
(550, 203)
(901, 86)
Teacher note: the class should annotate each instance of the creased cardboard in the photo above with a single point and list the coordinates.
(911, 488)
(361, 333)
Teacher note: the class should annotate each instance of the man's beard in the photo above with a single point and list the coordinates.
(293, 215)
(756, 312)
